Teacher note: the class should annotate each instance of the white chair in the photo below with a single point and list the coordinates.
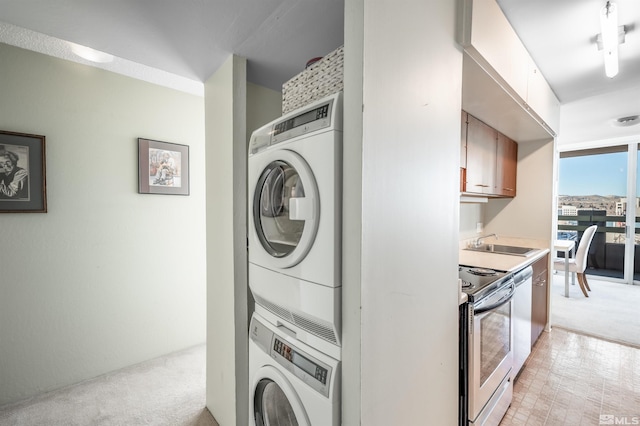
(579, 263)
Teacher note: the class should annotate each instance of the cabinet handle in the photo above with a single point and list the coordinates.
(507, 189)
(482, 185)
(541, 283)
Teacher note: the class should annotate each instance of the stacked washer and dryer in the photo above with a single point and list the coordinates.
(295, 211)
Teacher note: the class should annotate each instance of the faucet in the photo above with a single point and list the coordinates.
(477, 243)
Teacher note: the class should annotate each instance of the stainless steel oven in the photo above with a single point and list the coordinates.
(488, 331)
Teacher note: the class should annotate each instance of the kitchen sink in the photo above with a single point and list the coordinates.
(502, 249)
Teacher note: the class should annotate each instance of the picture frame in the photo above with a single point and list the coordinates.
(23, 186)
(163, 167)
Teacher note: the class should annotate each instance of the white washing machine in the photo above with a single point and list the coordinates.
(290, 383)
(295, 199)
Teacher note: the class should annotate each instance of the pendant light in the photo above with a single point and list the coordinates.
(609, 28)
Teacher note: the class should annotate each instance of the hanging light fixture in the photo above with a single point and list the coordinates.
(610, 38)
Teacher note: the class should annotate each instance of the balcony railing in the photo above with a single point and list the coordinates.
(607, 250)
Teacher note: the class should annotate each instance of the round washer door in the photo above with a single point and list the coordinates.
(286, 208)
(275, 402)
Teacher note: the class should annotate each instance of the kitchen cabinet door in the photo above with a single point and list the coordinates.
(489, 37)
(463, 140)
(463, 150)
(506, 166)
(541, 99)
(481, 157)
(539, 297)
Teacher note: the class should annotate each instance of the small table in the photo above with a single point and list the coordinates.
(567, 247)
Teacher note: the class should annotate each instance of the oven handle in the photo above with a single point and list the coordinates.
(506, 299)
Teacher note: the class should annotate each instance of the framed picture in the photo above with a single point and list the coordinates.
(23, 186)
(163, 168)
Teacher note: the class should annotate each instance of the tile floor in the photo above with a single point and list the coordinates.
(574, 379)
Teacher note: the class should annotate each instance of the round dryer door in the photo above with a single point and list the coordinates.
(276, 403)
(286, 208)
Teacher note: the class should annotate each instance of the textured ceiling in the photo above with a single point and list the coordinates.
(192, 38)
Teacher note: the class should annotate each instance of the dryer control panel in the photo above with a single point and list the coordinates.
(325, 113)
(314, 115)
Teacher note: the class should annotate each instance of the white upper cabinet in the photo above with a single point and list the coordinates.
(541, 98)
(488, 38)
(492, 40)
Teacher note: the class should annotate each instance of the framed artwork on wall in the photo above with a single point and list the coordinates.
(163, 168)
(23, 186)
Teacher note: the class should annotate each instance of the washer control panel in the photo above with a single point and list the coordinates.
(307, 368)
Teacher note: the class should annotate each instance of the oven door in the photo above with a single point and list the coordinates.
(490, 351)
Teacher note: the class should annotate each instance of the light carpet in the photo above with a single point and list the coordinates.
(610, 312)
(169, 390)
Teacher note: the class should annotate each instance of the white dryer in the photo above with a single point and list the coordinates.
(295, 199)
(290, 383)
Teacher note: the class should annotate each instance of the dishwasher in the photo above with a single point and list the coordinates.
(521, 319)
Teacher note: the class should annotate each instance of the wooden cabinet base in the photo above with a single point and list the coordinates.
(539, 291)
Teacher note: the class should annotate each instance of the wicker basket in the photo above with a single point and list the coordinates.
(323, 78)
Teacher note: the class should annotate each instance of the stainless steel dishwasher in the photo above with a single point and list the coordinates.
(521, 319)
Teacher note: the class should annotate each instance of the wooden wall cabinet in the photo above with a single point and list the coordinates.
(506, 166)
(539, 297)
(490, 165)
(481, 157)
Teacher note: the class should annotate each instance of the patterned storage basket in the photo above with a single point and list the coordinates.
(321, 79)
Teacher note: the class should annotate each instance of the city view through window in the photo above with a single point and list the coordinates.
(592, 189)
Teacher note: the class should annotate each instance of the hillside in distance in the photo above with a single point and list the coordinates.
(595, 202)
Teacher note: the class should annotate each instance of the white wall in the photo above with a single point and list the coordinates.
(263, 106)
(470, 215)
(108, 277)
(530, 213)
(230, 103)
(227, 326)
(352, 213)
(410, 213)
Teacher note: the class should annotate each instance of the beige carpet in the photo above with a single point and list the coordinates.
(165, 391)
(610, 312)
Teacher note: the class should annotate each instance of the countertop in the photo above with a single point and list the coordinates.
(500, 262)
(462, 296)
